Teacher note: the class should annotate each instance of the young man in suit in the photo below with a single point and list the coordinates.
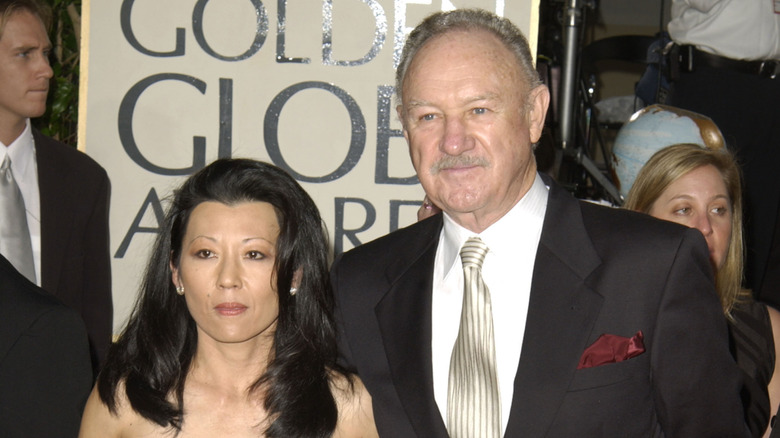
(45, 371)
(65, 192)
(598, 322)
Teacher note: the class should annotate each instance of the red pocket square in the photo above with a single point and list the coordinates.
(612, 349)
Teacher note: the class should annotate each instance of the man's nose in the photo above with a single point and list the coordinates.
(455, 140)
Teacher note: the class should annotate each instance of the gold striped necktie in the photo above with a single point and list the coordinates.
(473, 402)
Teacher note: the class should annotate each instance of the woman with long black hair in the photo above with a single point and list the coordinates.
(233, 333)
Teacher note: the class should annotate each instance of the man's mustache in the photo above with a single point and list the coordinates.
(454, 161)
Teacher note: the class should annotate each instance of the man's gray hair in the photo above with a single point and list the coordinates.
(468, 20)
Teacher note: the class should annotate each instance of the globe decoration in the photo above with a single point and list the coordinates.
(653, 128)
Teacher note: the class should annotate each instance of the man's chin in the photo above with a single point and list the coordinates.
(460, 206)
(37, 112)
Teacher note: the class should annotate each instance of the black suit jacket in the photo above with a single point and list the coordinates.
(45, 370)
(598, 270)
(75, 259)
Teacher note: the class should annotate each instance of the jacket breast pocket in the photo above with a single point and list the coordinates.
(610, 374)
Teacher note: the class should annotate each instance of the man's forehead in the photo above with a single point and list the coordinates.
(448, 45)
(436, 60)
(27, 36)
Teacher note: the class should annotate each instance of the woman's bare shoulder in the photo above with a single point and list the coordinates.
(99, 421)
(356, 416)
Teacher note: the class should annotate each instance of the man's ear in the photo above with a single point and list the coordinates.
(539, 101)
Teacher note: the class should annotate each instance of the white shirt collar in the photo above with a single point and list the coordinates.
(22, 153)
(531, 206)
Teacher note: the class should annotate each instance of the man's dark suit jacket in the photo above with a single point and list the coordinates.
(75, 259)
(598, 271)
(45, 370)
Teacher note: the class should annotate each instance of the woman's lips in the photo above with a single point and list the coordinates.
(230, 309)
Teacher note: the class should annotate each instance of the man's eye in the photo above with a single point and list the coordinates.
(427, 117)
(480, 110)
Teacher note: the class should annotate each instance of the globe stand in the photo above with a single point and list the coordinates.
(572, 24)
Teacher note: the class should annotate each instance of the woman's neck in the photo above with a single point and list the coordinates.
(232, 367)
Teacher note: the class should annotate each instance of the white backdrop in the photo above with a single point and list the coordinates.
(170, 85)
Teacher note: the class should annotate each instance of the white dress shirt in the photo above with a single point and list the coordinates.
(736, 29)
(25, 170)
(507, 271)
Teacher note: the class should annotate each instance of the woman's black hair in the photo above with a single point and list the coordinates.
(153, 355)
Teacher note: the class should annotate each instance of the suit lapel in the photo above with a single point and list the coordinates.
(404, 317)
(561, 314)
(55, 221)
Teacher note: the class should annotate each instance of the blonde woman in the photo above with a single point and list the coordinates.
(700, 188)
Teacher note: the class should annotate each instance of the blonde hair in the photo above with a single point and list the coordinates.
(10, 7)
(667, 166)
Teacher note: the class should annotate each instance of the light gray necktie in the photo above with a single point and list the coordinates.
(473, 402)
(14, 234)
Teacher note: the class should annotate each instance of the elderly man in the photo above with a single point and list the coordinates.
(521, 311)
